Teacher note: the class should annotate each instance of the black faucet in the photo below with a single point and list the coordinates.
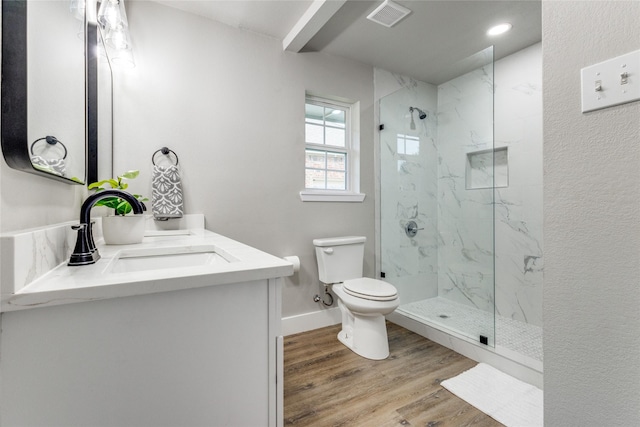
(85, 252)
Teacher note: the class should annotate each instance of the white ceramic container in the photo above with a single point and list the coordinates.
(123, 230)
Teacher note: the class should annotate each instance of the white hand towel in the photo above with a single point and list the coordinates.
(166, 193)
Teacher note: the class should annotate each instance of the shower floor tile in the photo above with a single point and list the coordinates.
(442, 313)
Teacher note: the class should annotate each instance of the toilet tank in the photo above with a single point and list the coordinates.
(339, 258)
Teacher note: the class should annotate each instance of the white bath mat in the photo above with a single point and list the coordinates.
(508, 400)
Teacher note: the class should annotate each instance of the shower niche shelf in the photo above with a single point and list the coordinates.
(481, 174)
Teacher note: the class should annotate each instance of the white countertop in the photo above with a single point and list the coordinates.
(64, 284)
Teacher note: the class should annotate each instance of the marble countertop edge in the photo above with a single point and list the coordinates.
(65, 285)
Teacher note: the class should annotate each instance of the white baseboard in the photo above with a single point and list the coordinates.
(310, 321)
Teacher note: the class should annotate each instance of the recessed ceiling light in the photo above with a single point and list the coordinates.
(499, 29)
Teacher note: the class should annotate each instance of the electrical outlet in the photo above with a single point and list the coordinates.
(612, 82)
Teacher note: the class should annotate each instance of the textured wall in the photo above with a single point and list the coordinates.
(591, 223)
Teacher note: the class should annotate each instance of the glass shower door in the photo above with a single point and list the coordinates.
(408, 171)
(437, 182)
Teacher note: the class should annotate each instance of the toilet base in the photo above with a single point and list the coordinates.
(364, 335)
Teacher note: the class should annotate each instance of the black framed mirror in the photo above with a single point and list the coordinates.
(49, 91)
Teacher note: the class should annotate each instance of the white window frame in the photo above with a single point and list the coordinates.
(351, 149)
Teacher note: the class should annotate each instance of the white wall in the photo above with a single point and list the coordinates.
(591, 223)
(32, 201)
(230, 103)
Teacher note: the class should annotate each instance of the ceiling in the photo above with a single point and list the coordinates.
(429, 44)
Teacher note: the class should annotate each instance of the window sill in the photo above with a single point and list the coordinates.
(331, 196)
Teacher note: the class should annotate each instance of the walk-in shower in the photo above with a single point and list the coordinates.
(460, 231)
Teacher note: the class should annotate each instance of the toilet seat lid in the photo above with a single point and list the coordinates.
(370, 289)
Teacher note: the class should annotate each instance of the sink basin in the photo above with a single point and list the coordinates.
(134, 260)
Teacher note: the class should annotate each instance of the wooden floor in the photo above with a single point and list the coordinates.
(326, 384)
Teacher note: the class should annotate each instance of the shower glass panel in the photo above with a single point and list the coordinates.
(437, 200)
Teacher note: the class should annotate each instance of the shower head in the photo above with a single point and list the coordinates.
(421, 114)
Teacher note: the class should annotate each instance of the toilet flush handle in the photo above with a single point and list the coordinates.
(328, 251)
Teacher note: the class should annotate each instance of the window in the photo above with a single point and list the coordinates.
(327, 142)
(331, 151)
(408, 144)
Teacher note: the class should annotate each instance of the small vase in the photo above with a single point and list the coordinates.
(123, 230)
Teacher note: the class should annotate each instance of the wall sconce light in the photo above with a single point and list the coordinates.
(112, 18)
(118, 37)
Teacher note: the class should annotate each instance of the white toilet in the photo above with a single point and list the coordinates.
(362, 301)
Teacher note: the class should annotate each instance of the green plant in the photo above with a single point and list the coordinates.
(120, 206)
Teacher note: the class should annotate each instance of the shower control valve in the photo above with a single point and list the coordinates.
(411, 229)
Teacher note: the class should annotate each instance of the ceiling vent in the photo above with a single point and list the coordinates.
(388, 14)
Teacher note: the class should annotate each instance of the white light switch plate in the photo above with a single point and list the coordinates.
(611, 82)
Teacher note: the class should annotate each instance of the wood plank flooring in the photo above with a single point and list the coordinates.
(326, 384)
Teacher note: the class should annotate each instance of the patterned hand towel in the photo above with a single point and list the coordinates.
(166, 193)
(54, 166)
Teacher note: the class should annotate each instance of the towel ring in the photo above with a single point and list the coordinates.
(52, 140)
(165, 151)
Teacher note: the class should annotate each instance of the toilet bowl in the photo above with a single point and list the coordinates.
(364, 330)
(363, 301)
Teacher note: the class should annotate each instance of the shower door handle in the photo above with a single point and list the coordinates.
(411, 229)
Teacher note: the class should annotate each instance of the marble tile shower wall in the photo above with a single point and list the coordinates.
(453, 256)
(519, 244)
(465, 215)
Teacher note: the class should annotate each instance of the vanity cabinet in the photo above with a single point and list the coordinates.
(206, 356)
